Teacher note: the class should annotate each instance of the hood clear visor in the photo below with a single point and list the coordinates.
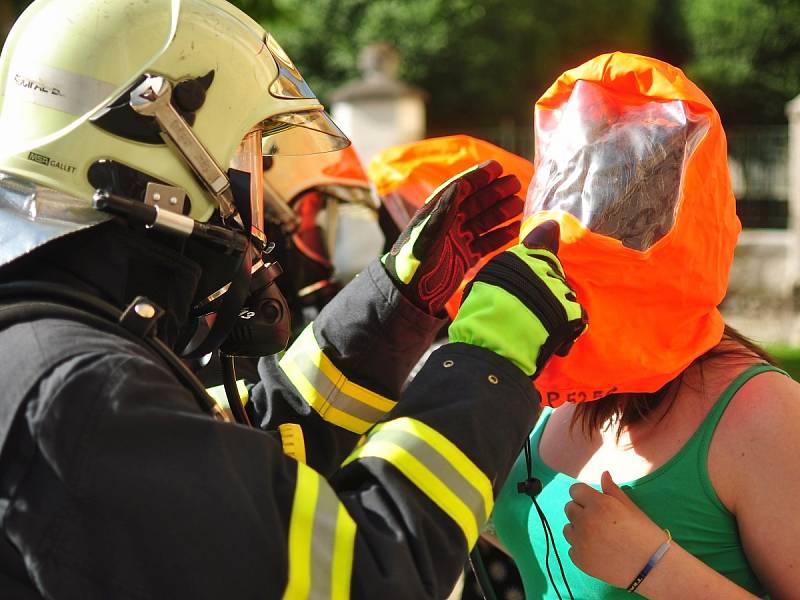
(616, 165)
(46, 94)
(296, 134)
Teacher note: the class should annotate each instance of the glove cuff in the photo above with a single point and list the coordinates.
(493, 319)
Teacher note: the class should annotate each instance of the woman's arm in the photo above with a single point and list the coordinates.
(612, 539)
(754, 464)
(680, 575)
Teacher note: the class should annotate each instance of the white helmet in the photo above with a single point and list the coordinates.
(85, 90)
(159, 112)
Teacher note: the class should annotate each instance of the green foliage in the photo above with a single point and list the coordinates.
(746, 55)
(260, 10)
(481, 61)
(788, 358)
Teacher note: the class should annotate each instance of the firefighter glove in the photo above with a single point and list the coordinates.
(460, 222)
(520, 305)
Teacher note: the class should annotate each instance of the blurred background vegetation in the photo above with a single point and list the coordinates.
(484, 62)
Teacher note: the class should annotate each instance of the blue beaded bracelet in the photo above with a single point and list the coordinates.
(662, 549)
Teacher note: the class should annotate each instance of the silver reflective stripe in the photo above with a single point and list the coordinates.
(333, 395)
(322, 543)
(446, 472)
(437, 467)
(54, 88)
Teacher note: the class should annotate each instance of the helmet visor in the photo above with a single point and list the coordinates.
(248, 159)
(615, 164)
(295, 134)
(289, 83)
(52, 79)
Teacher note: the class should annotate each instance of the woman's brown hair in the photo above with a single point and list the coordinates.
(628, 408)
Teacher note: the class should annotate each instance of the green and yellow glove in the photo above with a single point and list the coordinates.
(457, 225)
(520, 306)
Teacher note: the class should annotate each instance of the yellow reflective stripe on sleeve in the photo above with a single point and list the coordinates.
(300, 530)
(221, 398)
(321, 541)
(326, 389)
(293, 441)
(343, 552)
(437, 467)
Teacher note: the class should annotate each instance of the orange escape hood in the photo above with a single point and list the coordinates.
(631, 161)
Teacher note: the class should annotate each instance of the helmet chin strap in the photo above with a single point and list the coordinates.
(214, 326)
(252, 320)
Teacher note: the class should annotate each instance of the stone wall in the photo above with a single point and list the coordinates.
(761, 291)
(763, 299)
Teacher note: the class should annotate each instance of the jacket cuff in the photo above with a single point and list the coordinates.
(373, 334)
(479, 400)
(457, 432)
(326, 389)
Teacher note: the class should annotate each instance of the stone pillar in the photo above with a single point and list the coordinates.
(378, 110)
(793, 114)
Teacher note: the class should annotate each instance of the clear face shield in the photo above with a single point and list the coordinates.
(616, 166)
(114, 83)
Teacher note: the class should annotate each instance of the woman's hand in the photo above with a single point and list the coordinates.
(610, 537)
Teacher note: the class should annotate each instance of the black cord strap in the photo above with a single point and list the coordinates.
(532, 487)
(232, 391)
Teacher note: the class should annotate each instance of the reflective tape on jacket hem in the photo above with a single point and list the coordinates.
(321, 542)
(327, 390)
(437, 467)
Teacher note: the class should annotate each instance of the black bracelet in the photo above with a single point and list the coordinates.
(662, 549)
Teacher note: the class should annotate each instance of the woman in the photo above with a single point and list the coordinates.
(670, 463)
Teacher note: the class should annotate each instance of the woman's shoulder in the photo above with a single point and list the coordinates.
(767, 402)
(758, 436)
(761, 402)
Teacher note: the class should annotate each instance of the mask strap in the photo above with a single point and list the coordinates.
(214, 327)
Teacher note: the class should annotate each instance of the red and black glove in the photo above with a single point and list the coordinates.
(457, 225)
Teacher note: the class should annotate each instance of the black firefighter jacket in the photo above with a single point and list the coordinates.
(114, 485)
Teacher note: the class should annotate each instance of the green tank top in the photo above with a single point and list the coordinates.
(678, 496)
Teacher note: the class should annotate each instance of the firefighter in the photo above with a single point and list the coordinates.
(131, 230)
(323, 216)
